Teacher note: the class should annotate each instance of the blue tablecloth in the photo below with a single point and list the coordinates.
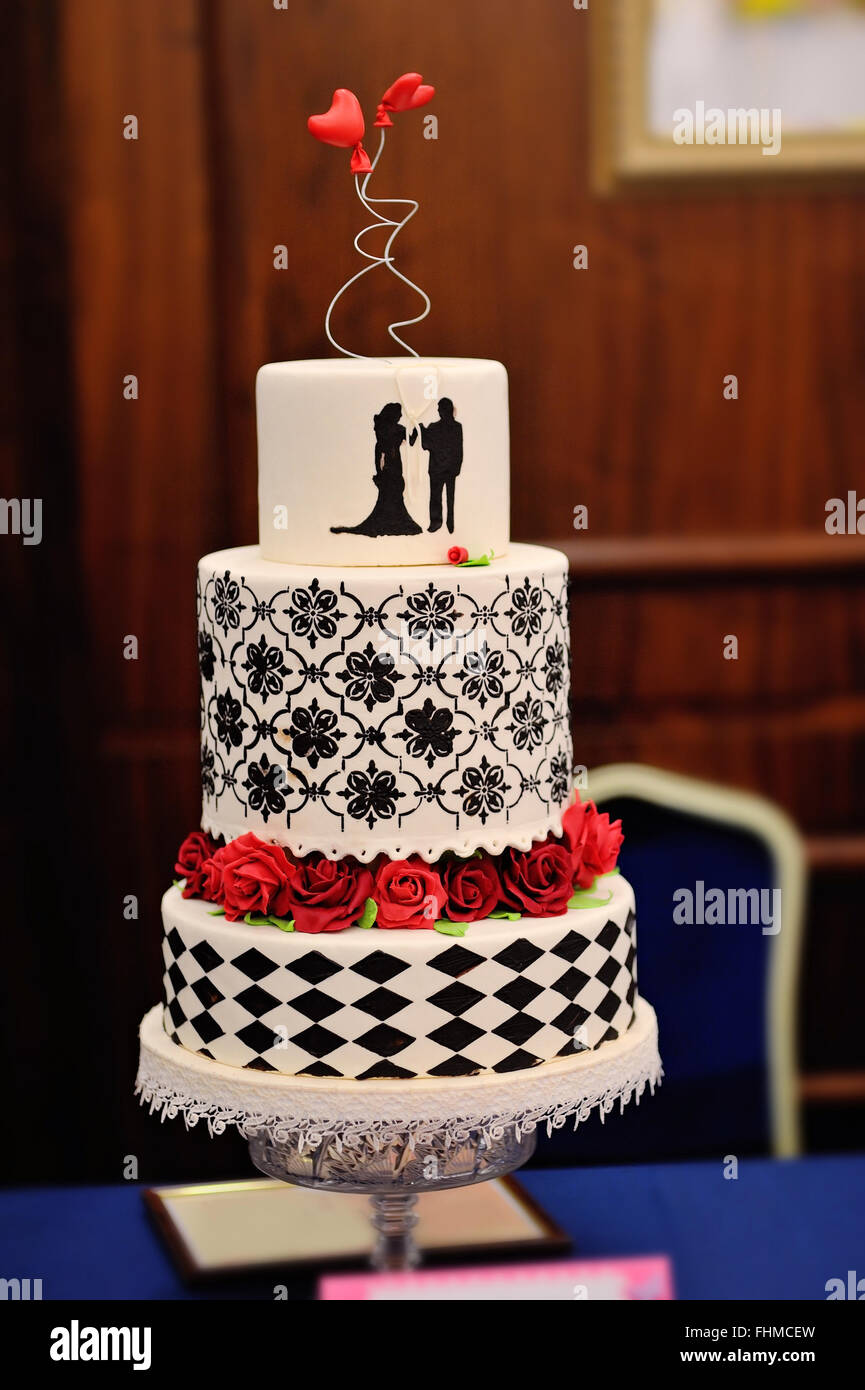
(780, 1230)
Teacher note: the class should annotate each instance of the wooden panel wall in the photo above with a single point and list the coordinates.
(155, 257)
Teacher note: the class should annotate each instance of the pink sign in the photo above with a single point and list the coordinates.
(645, 1277)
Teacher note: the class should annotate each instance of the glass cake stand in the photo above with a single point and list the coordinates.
(392, 1175)
(386, 1140)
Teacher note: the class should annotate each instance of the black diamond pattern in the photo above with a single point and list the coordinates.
(517, 993)
(518, 1029)
(254, 964)
(317, 1040)
(608, 935)
(571, 947)
(571, 982)
(457, 1034)
(316, 1005)
(381, 1003)
(379, 967)
(456, 961)
(258, 1037)
(456, 998)
(518, 955)
(204, 954)
(206, 1027)
(257, 1000)
(314, 967)
(385, 1040)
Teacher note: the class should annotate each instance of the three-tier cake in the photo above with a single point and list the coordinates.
(393, 878)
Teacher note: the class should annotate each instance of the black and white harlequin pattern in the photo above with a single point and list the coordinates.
(375, 1013)
(386, 712)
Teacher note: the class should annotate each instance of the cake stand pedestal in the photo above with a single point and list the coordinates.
(392, 1139)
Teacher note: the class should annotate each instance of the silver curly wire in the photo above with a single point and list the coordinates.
(385, 259)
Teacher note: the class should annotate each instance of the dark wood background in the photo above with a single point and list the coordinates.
(155, 257)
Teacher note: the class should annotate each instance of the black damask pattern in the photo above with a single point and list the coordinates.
(326, 707)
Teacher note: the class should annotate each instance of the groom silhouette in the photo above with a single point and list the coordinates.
(443, 441)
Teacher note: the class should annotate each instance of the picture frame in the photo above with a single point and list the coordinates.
(627, 153)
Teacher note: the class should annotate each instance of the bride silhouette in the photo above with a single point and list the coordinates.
(389, 516)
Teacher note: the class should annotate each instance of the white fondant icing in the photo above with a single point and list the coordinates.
(390, 710)
(368, 1003)
(317, 458)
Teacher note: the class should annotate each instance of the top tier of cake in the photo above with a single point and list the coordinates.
(374, 461)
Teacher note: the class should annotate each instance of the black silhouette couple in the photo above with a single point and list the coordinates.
(443, 441)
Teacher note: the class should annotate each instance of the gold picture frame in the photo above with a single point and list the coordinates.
(627, 154)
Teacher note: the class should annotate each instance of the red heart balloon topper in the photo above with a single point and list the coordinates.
(343, 126)
(406, 94)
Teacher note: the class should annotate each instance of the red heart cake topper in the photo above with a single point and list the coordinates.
(343, 126)
(406, 94)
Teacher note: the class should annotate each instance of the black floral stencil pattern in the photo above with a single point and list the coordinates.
(314, 613)
(429, 732)
(229, 720)
(206, 655)
(483, 790)
(431, 615)
(266, 668)
(314, 733)
(227, 606)
(482, 675)
(372, 795)
(369, 707)
(264, 782)
(529, 723)
(370, 676)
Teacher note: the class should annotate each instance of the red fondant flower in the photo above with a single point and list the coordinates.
(328, 894)
(538, 881)
(457, 555)
(473, 888)
(592, 840)
(409, 893)
(250, 875)
(192, 856)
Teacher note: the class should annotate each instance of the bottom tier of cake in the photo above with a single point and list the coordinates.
(365, 1004)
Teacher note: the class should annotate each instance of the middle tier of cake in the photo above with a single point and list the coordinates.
(385, 711)
(366, 1004)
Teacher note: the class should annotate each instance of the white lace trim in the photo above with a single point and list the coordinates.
(308, 1112)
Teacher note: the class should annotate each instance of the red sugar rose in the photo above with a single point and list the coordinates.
(593, 841)
(458, 555)
(328, 894)
(250, 875)
(473, 888)
(192, 856)
(409, 893)
(539, 881)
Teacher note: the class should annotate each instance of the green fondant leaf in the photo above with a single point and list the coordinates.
(502, 915)
(178, 883)
(217, 912)
(284, 923)
(256, 920)
(451, 928)
(370, 912)
(479, 560)
(584, 897)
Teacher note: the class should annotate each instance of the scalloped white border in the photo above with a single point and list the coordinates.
(344, 844)
(308, 1112)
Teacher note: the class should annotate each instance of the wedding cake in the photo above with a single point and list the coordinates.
(393, 879)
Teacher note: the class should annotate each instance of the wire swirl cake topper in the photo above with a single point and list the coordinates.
(343, 125)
